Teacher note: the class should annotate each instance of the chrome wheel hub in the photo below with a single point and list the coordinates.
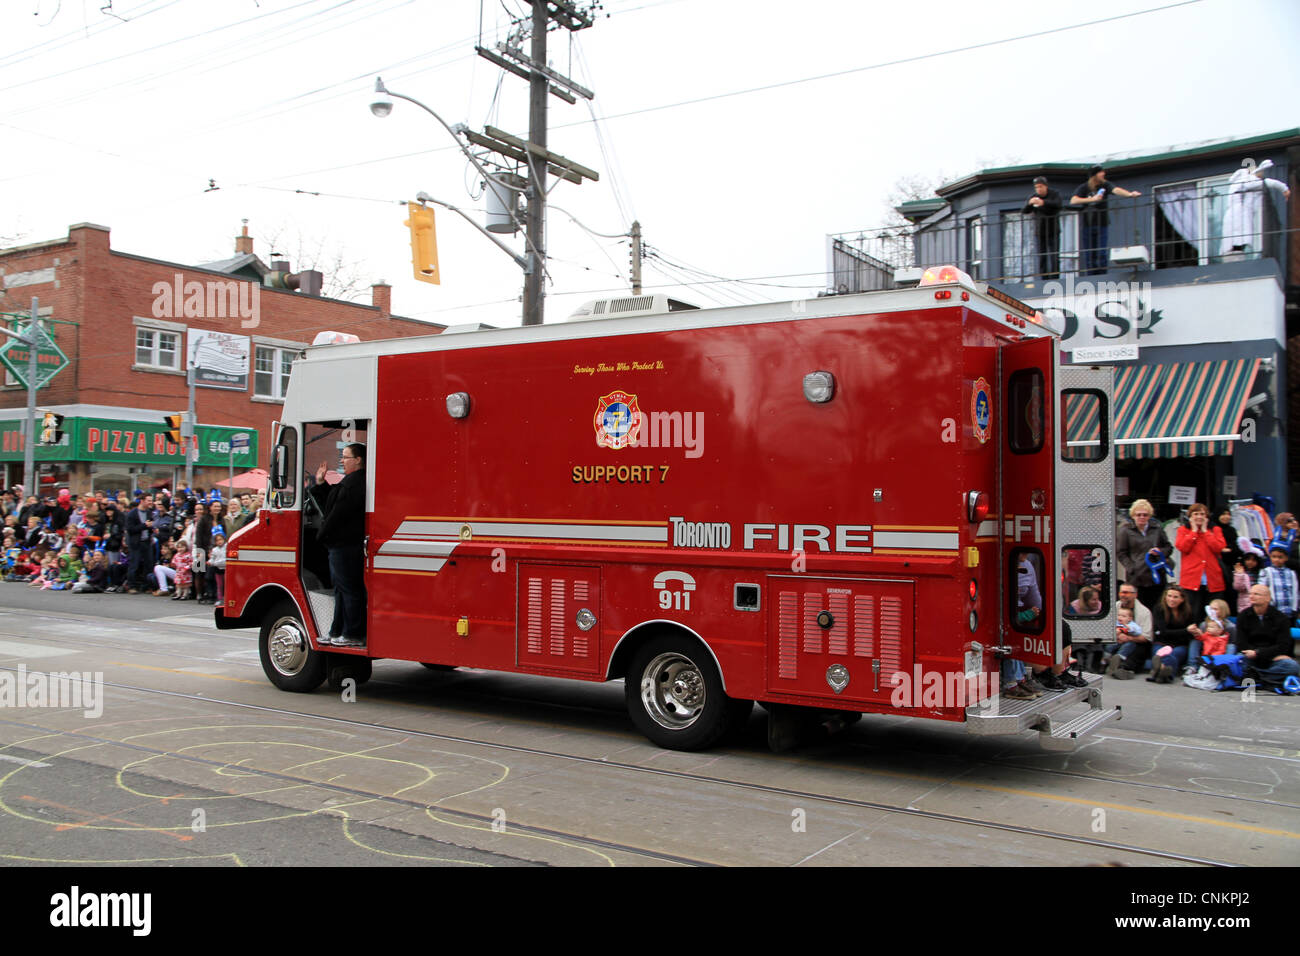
(673, 691)
(288, 647)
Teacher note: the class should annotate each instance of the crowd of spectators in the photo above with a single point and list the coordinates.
(111, 542)
(1230, 595)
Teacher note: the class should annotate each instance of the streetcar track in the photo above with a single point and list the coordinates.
(467, 692)
(682, 775)
(1008, 765)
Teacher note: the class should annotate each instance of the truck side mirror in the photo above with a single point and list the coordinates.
(279, 467)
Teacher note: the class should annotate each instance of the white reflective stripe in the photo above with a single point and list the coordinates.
(987, 529)
(407, 546)
(403, 563)
(502, 529)
(929, 540)
(278, 557)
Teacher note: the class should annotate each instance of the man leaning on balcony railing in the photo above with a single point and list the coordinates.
(1095, 227)
(1045, 208)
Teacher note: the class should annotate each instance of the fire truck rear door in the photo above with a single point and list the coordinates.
(1027, 460)
(1085, 503)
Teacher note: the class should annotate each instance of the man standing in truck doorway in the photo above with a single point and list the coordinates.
(343, 534)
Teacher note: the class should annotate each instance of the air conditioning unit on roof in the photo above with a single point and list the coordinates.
(657, 304)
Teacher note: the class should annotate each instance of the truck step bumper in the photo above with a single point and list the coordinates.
(1056, 716)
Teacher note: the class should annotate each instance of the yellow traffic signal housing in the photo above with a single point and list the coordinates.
(424, 242)
(174, 427)
(51, 429)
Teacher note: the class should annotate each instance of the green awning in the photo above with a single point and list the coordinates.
(1180, 409)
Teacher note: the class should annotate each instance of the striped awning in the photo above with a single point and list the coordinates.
(1182, 409)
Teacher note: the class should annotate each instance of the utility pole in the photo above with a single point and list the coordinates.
(636, 257)
(542, 81)
(538, 84)
(29, 438)
(188, 429)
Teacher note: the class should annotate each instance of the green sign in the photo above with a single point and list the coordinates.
(16, 356)
(115, 440)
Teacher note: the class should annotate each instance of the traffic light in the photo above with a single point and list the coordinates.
(424, 242)
(174, 427)
(51, 429)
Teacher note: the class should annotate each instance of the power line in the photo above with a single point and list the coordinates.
(75, 36)
(888, 63)
(757, 89)
(167, 43)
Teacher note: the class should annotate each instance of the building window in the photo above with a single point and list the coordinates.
(975, 247)
(1190, 223)
(271, 367)
(1019, 247)
(157, 349)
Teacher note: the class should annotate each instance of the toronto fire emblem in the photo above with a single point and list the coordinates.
(617, 420)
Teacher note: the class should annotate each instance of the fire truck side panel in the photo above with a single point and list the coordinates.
(508, 523)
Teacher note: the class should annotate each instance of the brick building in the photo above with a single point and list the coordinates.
(127, 324)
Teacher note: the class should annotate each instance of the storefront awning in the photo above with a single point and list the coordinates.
(1181, 409)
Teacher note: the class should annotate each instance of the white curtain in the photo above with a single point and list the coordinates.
(1182, 207)
(1019, 246)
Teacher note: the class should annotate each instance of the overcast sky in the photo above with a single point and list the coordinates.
(122, 117)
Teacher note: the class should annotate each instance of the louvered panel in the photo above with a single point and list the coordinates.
(548, 637)
(837, 638)
(864, 625)
(891, 638)
(557, 617)
(871, 625)
(788, 635)
(534, 616)
(581, 639)
(812, 634)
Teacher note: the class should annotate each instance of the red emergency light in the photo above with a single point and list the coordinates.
(942, 275)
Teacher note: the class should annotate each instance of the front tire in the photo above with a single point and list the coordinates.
(287, 658)
(674, 695)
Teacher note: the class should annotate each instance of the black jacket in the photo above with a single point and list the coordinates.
(1268, 637)
(136, 530)
(1048, 211)
(344, 505)
(112, 530)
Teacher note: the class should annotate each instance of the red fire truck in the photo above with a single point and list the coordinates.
(848, 504)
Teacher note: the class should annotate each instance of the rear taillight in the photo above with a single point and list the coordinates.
(977, 506)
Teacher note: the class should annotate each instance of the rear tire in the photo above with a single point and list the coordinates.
(287, 658)
(344, 666)
(674, 695)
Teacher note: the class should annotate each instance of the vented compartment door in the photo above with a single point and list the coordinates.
(864, 627)
(550, 599)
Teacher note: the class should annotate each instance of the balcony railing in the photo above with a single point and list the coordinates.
(1190, 224)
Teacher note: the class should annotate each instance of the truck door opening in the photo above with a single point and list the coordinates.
(322, 443)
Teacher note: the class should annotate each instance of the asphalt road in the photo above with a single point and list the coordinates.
(197, 759)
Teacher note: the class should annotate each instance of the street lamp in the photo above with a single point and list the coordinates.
(382, 106)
